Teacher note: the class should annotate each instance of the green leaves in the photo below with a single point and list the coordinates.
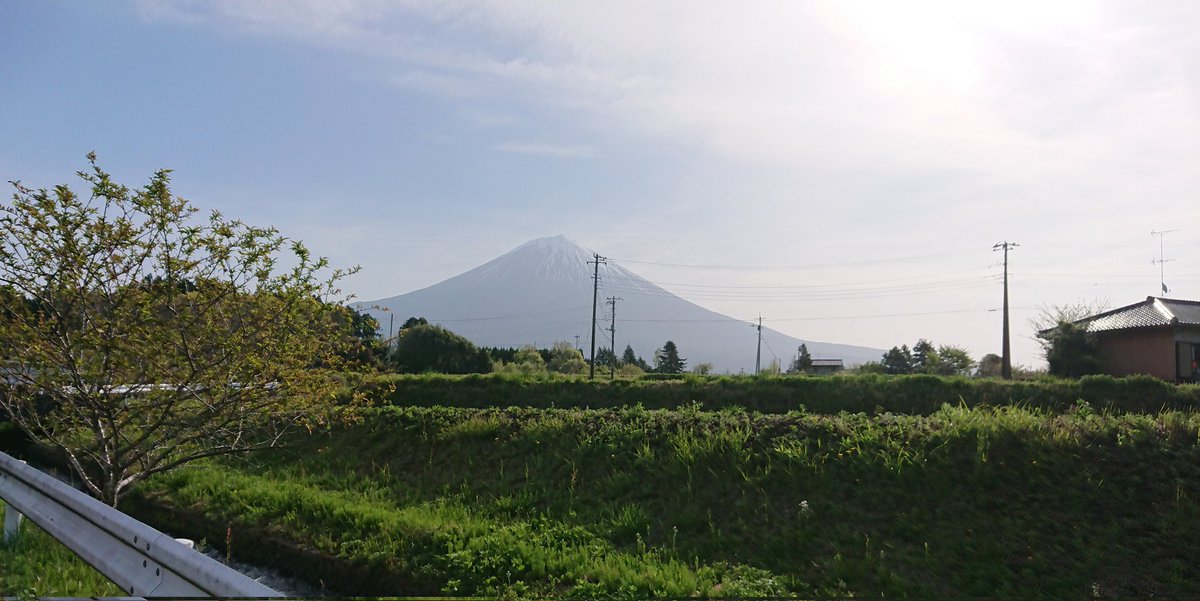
(141, 338)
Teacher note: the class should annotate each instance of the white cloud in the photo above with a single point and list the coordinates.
(838, 129)
(548, 150)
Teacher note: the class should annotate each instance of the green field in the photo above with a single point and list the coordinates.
(440, 488)
(962, 502)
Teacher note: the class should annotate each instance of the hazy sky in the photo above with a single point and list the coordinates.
(847, 165)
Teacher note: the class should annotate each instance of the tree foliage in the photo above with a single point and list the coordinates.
(138, 337)
(1068, 348)
(668, 361)
(566, 359)
(989, 366)
(431, 348)
(630, 358)
(1070, 351)
(803, 361)
(925, 358)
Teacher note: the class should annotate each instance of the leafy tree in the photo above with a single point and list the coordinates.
(1071, 351)
(924, 357)
(668, 361)
(566, 359)
(803, 361)
(952, 361)
(413, 322)
(898, 360)
(703, 368)
(989, 366)
(364, 347)
(432, 348)
(138, 337)
(529, 360)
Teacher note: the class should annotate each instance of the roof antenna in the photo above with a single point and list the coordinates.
(1160, 260)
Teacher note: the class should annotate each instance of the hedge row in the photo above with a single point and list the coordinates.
(918, 394)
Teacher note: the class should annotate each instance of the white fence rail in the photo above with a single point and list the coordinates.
(141, 560)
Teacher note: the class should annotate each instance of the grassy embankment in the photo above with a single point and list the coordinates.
(37, 565)
(983, 501)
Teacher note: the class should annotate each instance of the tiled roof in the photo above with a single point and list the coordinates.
(1152, 312)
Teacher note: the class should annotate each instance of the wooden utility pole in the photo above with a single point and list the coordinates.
(597, 260)
(1005, 352)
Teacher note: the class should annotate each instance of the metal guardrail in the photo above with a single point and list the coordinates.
(141, 560)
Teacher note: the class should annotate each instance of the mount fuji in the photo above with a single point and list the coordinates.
(541, 292)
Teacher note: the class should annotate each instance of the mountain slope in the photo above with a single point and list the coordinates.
(541, 292)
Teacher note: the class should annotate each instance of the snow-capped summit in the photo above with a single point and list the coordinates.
(541, 292)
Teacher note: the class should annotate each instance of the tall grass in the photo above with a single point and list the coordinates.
(974, 501)
(36, 565)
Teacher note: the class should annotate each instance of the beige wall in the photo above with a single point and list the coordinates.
(1149, 351)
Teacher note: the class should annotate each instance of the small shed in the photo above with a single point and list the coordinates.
(1158, 337)
(824, 367)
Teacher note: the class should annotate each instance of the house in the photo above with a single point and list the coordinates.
(1158, 337)
(824, 367)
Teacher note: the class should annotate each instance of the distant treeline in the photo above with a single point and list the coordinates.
(868, 393)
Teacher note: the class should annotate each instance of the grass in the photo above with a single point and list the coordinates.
(36, 565)
(871, 393)
(574, 503)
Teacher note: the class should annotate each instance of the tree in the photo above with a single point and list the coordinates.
(138, 337)
(604, 358)
(364, 347)
(989, 366)
(703, 368)
(803, 361)
(924, 357)
(668, 361)
(432, 348)
(629, 358)
(1068, 348)
(1070, 351)
(529, 361)
(413, 322)
(952, 361)
(898, 360)
(566, 359)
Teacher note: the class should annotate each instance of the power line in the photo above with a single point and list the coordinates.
(799, 267)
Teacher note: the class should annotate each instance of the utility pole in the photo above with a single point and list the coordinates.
(1005, 353)
(612, 329)
(758, 354)
(1162, 280)
(596, 260)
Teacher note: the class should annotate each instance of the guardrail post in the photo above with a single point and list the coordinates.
(12, 522)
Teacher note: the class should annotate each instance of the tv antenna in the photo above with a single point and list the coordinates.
(1162, 280)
